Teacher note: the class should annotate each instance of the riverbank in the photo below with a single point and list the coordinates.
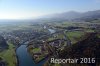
(17, 57)
(40, 58)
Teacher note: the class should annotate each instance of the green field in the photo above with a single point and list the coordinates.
(75, 36)
(9, 55)
(35, 50)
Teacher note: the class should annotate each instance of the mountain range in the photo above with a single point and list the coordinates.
(72, 16)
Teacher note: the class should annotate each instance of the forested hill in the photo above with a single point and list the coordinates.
(87, 48)
(3, 44)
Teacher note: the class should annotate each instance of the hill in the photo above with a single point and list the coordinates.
(87, 48)
(3, 44)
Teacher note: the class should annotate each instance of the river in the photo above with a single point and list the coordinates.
(51, 30)
(25, 59)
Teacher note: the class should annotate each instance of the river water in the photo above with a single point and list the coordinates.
(51, 30)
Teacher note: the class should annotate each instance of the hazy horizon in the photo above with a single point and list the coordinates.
(31, 9)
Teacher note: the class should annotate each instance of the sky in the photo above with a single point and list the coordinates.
(26, 9)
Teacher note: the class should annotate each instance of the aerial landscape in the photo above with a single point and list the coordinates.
(49, 33)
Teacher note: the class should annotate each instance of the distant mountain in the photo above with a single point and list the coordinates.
(60, 17)
(72, 16)
(89, 16)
